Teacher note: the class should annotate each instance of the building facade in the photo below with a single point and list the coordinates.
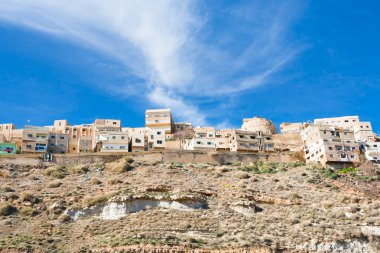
(248, 141)
(159, 119)
(330, 145)
(35, 139)
(58, 143)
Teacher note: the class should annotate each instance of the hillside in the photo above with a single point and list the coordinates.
(126, 205)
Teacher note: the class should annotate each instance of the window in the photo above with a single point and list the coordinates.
(74, 136)
(330, 148)
(29, 146)
(252, 144)
(113, 137)
(30, 135)
(352, 156)
(114, 123)
(241, 136)
(198, 142)
(253, 137)
(62, 137)
(138, 141)
(159, 142)
(343, 155)
(332, 156)
(209, 143)
(152, 136)
(122, 147)
(52, 145)
(158, 133)
(122, 137)
(52, 137)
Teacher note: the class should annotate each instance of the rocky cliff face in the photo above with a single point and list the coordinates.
(156, 206)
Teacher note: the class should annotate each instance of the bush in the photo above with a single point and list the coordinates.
(119, 167)
(329, 173)
(99, 199)
(28, 211)
(56, 172)
(114, 180)
(54, 184)
(348, 170)
(79, 169)
(7, 209)
(7, 189)
(29, 197)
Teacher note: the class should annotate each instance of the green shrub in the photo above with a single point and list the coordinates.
(348, 170)
(329, 173)
(7, 209)
(28, 211)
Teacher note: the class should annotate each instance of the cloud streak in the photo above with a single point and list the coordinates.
(181, 49)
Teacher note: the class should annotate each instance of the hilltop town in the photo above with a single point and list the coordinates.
(336, 142)
(171, 187)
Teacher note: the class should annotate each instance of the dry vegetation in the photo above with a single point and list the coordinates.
(293, 205)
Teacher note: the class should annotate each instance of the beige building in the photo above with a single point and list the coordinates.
(248, 141)
(222, 139)
(330, 145)
(137, 137)
(159, 119)
(6, 130)
(362, 130)
(35, 139)
(258, 124)
(58, 143)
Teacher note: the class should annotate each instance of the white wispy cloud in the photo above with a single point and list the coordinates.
(168, 43)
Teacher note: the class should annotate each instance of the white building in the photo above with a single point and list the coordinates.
(156, 139)
(204, 139)
(371, 151)
(113, 141)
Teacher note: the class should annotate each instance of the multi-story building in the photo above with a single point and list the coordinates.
(222, 139)
(137, 138)
(35, 139)
(159, 119)
(58, 143)
(6, 130)
(371, 151)
(204, 139)
(362, 130)
(113, 141)
(156, 139)
(249, 141)
(101, 126)
(330, 145)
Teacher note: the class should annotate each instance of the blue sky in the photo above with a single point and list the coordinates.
(212, 62)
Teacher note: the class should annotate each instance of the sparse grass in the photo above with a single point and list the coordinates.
(98, 199)
(29, 197)
(114, 180)
(28, 211)
(56, 172)
(348, 170)
(7, 209)
(54, 184)
(261, 167)
(120, 166)
(79, 169)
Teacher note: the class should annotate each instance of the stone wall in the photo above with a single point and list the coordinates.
(181, 156)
